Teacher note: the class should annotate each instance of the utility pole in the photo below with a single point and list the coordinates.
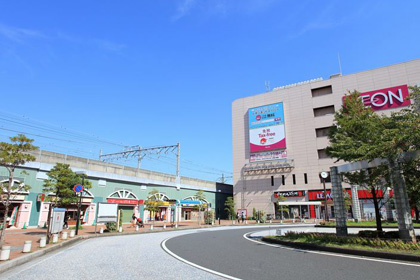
(177, 159)
(139, 158)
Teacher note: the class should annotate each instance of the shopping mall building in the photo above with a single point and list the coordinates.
(280, 136)
(112, 183)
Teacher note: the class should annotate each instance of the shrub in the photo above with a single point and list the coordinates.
(111, 227)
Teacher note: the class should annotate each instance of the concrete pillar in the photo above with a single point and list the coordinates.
(73, 233)
(43, 242)
(405, 222)
(339, 205)
(355, 203)
(388, 207)
(101, 230)
(137, 228)
(4, 253)
(55, 238)
(120, 229)
(64, 235)
(27, 246)
(164, 226)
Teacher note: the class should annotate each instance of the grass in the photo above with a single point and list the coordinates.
(352, 242)
(370, 224)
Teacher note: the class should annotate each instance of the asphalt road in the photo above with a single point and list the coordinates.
(227, 252)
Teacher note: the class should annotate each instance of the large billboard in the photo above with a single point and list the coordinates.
(266, 128)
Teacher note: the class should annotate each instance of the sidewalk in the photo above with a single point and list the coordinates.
(16, 237)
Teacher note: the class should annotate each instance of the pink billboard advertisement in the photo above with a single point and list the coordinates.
(266, 128)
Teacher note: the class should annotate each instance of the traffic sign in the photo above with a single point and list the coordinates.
(78, 188)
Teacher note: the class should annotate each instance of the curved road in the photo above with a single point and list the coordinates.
(228, 252)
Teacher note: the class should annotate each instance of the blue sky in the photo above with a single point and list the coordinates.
(80, 75)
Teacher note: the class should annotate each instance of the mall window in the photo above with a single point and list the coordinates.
(322, 153)
(283, 180)
(272, 181)
(305, 177)
(323, 131)
(294, 179)
(323, 111)
(321, 91)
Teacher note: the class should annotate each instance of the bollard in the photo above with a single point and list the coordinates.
(233, 222)
(64, 235)
(101, 230)
(271, 221)
(258, 221)
(164, 226)
(151, 227)
(246, 222)
(27, 247)
(176, 225)
(55, 238)
(43, 242)
(137, 228)
(5, 253)
(72, 233)
(120, 229)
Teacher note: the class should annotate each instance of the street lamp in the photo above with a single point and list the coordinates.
(324, 176)
(79, 205)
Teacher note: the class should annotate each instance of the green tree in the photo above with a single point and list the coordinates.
(201, 197)
(230, 207)
(152, 203)
(371, 180)
(361, 134)
(411, 171)
(60, 182)
(13, 155)
(282, 208)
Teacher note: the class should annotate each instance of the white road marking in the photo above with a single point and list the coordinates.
(163, 244)
(327, 253)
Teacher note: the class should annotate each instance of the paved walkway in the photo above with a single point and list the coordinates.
(16, 237)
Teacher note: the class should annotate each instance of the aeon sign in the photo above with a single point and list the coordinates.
(386, 98)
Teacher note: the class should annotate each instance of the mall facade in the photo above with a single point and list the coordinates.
(127, 186)
(280, 139)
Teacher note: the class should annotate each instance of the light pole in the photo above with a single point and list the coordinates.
(324, 175)
(82, 173)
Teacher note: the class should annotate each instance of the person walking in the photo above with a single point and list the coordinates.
(243, 217)
(133, 219)
(238, 218)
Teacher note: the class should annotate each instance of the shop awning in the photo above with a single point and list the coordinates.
(286, 203)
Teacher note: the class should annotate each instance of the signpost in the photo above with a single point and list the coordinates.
(78, 190)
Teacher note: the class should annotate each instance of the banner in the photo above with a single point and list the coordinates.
(266, 128)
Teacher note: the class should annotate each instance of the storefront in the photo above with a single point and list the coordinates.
(190, 208)
(128, 204)
(319, 195)
(19, 209)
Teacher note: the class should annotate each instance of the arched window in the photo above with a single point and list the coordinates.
(194, 198)
(123, 194)
(15, 182)
(158, 197)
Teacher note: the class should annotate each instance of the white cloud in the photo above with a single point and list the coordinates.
(17, 34)
(183, 9)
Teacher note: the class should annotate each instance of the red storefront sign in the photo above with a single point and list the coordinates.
(386, 98)
(290, 194)
(125, 201)
(367, 194)
(319, 195)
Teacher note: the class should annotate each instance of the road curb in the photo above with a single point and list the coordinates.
(356, 252)
(30, 256)
(367, 227)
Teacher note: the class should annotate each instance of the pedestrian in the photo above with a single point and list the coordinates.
(243, 217)
(237, 217)
(133, 219)
(66, 225)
